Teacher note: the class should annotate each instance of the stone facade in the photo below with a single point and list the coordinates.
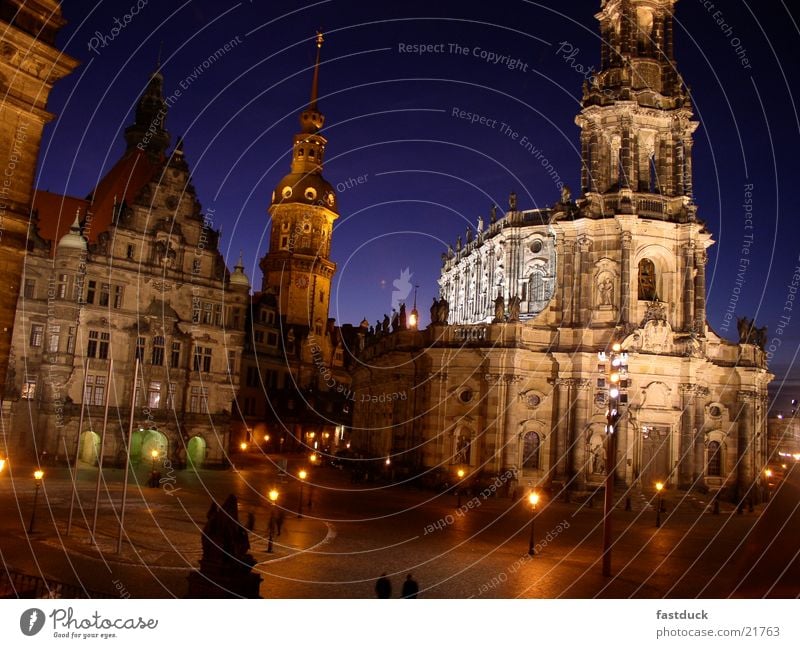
(507, 375)
(29, 66)
(138, 276)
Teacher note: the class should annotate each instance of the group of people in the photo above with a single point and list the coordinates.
(383, 588)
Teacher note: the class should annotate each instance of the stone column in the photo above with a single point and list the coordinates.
(688, 186)
(746, 441)
(498, 388)
(688, 287)
(567, 282)
(563, 411)
(626, 155)
(510, 442)
(625, 291)
(585, 281)
(701, 258)
(582, 391)
(685, 451)
(699, 464)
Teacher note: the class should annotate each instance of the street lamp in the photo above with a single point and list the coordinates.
(302, 476)
(767, 477)
(243, 446)
(273, 497)
(154, 455)
(533, 500)
(460, 474)
(37, 475)
(2, 464)
(313, 458)
(659, 488)
(612, 389)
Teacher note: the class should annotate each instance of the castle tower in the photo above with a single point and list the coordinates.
(29, 66)
(297, 267)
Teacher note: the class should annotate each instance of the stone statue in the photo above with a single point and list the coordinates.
(493, 215)
(378, 328)
(435, 312)
(760, 337)
(371, 331)
(513, 309)
(403, 321)
(606, 288)
(450, 253)
(743, 325)
(647, 281)
(395, 320)
(479, 226)
(458, 244)
(444, 311)
(566, 195)
(469, 235)
(385, 325)
(512, 201)
(499, 309)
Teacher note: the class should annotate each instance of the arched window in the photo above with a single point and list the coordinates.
(530, 451)
(714, 459)
(300, 152)
(647, 280)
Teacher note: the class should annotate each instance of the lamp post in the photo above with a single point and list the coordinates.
(612, 389)
(273, 498)
(767, 477)
(460, 475)
(37, 475)
(533, 499)
(302, 476)
(659, 488)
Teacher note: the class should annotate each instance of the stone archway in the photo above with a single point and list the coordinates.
(195, 452)
(152, 440)
(89, 447)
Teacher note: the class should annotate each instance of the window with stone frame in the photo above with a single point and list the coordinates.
(139, 355)
(37, 335)
(61, 288)
(53, 338)
(157, 354)
(175, 356)
(154, 394)
(198, 400)
(91, 345)
(714, 468)
(29, 389)
(91, 290)
(30, 289)
(105, 294)
(530, 451)
(103, 347)
(71, 340)
(117, 302)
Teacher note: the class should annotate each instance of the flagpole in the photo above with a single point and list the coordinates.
(74, 471)
(102, 450)
(127, 458)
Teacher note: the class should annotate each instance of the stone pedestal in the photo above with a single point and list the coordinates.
(223, 581)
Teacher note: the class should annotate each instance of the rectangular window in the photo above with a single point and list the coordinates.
(207, 313)
(171, 395)
(217, 314)
(195, 310)
(91, 347)
(29, 389)
(237, 318)
(105, 294)
(37, 333)
(71, 340)
(154, 394)
(175, 358)
(252, 377)
(95, 390)
(231, 362)
(259, 336)
(207, 360)
(52, 339)
(270, 317)
(198, 400)
(117, 297)
(139, 349)
(61, 291)
(130, 252)
(91, 288)
(102, 349)
(272, 339)
(157, 357)
(30, 288)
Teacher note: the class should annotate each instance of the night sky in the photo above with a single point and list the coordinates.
(427, 174)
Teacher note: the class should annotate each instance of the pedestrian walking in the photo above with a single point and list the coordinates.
(383, 587)
(279, 521)
(410, 588)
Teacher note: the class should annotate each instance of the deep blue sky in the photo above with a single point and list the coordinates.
(389, 117)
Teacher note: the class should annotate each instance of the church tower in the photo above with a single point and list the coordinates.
(298, 267)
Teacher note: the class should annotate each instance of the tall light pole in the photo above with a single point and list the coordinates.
(533, 499)
(302, 476)
(273, 498)
(614, 384)
(460, 475)
(37, 475)
(659, 488)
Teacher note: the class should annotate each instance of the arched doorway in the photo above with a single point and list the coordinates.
(152, 440)
(89, 447)
(196, 452)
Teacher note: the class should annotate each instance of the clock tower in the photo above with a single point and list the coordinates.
(297, 267)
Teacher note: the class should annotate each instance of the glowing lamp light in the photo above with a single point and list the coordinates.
(154, 454)
(617, 347)
(313, 458)
(461, 473)
(2, 464)
(412, 320)
(614, 377)
(273, 496)
(302, 474)
(243, 446)
(266, 437)
(533, 498)
(388, 461)
(38, 474)
(613, 392)
(659, 486)
(767, 473)
(796, 456)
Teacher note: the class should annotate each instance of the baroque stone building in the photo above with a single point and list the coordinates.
(29, 66)
(506, 376)
(131, 272)
(295, 384)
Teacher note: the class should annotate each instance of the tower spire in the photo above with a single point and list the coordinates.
(315, 81)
